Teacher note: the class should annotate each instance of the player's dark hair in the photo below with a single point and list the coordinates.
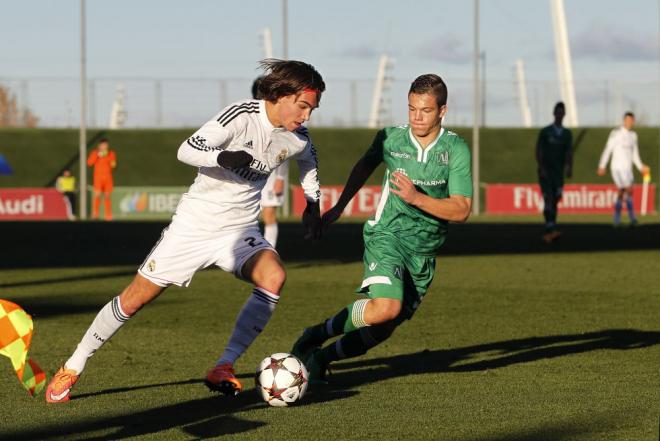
(102, 140)
(630, 114)
(560, 104)
(255, 88)
(431, 84)
(288, 77)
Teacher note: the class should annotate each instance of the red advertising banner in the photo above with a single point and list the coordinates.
(363, 204)
(578, 198)
(32, 204)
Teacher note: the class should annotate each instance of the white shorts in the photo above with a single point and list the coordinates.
(268, 196)
(181, 251)
(622, 178)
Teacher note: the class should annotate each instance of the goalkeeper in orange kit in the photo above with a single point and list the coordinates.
(104, 161)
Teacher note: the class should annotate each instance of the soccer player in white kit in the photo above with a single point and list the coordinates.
(272, 195)
(216, 223)
(622, 148)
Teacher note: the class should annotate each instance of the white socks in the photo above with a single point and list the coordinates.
(109, 319)
(251, 321)
(270, 234)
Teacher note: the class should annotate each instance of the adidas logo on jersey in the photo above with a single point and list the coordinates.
(248, 145)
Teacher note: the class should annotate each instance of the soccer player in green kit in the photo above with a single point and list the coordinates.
(427, 184)
(554, 157)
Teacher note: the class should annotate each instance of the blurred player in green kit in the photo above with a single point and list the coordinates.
(427, 184)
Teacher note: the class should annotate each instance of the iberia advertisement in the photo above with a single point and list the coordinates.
(145, 202)
(577, 198)
(32, 204)
(363, 204)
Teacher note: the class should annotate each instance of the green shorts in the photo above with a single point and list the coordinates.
(394, 273)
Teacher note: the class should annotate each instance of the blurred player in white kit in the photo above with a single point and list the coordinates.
(624, 152)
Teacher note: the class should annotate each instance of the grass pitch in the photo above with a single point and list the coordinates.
(505, 347)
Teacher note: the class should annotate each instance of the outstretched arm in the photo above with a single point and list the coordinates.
(309, 180)
(91, 159)
(206, 148)
(637, 160)
(359, 175)
(568, 161)
(605, 156)
(539, 156)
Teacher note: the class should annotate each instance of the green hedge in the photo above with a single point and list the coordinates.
(148, 156)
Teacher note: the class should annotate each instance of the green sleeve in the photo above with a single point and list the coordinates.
(460, 170)
(374, 154)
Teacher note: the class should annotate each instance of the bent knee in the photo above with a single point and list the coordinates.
(273, 281)
(383, 311)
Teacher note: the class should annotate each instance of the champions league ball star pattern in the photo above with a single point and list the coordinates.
(281, 379)
(15, 336)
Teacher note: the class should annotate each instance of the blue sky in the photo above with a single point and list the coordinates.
(189, 45)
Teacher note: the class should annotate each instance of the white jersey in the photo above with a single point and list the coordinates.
(268, 196)
(225, 199)
(622, 147)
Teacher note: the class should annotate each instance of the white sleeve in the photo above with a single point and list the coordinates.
(202, 148)
(282, 171)
(636, 159)
(609, 147)
(309, 174)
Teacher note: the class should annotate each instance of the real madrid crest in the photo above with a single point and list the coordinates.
(281, 156)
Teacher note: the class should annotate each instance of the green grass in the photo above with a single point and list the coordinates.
(509, 347)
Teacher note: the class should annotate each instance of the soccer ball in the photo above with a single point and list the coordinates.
(281, 379)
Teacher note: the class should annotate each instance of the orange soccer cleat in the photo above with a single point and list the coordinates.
(222, 379)
(59, 388)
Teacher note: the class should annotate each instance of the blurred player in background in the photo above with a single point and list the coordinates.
(622, 148)
(272, 196)
(216, 221)
(554, 159)
(104, 162)
(66, 184)
(427, 184)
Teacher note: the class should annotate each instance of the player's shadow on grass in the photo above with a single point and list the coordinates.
(488, 356)
(54, 280)
(202, 418)
(41, 307)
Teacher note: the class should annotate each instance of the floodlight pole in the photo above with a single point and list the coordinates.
(523, 102)
(476, 206)
(82, 143)
(267, 43)
(564, 63)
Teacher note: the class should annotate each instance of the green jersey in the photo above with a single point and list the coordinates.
(554, 145)
(439, 170)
